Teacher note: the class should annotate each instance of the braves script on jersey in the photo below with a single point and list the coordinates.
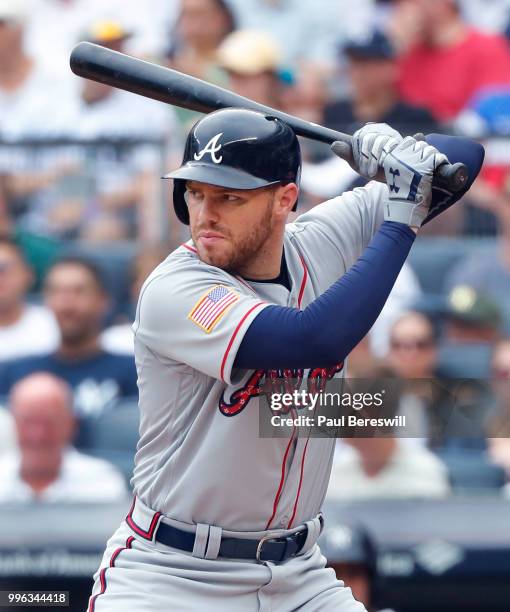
(200, 459)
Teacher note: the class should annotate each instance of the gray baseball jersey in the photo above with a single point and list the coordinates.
(200, 458)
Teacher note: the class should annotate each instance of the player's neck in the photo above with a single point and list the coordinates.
(267, 263)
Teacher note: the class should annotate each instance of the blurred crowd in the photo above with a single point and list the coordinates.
(82, 161)
(84, 217)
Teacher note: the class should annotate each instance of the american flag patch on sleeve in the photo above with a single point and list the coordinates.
(211, 307)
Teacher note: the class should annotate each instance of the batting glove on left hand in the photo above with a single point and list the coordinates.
(370, 146)
(409, 169)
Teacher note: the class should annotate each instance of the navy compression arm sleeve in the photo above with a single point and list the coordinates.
(325, 332)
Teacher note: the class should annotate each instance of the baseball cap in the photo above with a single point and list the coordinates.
(470, 307)
(375, 45)
(106, 32)
(249, 52)
(13, 10)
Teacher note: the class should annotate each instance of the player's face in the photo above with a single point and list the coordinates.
(230, 228)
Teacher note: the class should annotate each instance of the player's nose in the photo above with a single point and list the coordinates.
(208, 212)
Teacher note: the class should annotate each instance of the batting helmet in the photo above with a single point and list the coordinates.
(239, 149)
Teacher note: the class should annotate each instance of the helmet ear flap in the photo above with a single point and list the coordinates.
(180, 206)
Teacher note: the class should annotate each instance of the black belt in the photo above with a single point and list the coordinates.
(267, 548)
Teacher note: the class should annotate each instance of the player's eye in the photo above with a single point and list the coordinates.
(193, 194)
(230, 197)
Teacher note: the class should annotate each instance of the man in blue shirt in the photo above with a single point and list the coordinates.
(74, 290)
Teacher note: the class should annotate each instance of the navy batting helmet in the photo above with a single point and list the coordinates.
(239, 149)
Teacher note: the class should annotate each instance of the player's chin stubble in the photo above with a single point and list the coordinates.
(240, 250)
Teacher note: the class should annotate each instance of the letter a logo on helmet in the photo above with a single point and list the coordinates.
(212, 147)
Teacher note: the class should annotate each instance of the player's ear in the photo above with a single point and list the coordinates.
(285, 198)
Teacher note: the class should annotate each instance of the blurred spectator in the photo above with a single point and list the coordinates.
(426, 400)
(471, 317)
(27, 90)
(27, 111)
(383, 467)
(413, 357)
(413, 349)
(310, 31)
(373, 75)
(201, 27)
(487, 271)
(108, 112)
(306, 97)
(119, 338)
(25, 329)
(444, 61)
(152, 19)
(470, 328)
(47, 468)
(123, 203)
(75, 293)
(251, 59)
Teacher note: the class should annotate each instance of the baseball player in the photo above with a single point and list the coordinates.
(223, 519)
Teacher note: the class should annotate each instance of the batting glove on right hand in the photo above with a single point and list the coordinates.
(409, 168)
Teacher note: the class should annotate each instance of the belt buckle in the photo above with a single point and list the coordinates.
(262, 540)
(284, 540)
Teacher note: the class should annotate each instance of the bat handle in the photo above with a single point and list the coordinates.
(452, 177)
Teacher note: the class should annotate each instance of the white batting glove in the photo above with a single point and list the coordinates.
(409, 168)
(370, 146)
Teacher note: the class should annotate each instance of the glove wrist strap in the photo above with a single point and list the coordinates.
(403, 211)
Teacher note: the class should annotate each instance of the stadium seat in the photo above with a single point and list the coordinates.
(471, 472)
(116, 429)
(112, 436)
(432, 259)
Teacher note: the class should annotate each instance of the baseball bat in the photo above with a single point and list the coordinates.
(172, 87)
